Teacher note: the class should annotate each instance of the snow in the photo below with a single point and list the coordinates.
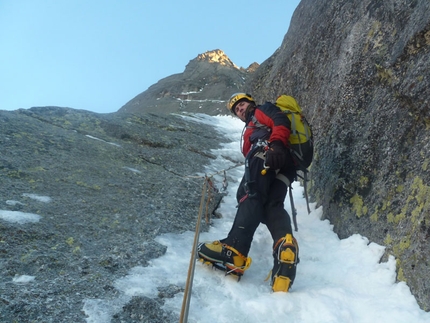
(23, 217)
(40, 198)
(19, 217)
(110, 143)
(134, 170)
(23, 279)
(338, 280)
(13, 202)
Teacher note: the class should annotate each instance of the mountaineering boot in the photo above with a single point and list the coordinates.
(223, 257)
(286, 258)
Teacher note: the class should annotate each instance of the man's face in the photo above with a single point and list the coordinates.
(240, 110)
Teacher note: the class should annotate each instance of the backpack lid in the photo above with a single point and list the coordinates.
(288, 102)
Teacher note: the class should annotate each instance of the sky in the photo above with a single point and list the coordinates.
(337, 281)
(97, 55)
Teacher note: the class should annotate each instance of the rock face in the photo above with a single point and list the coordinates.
(361, 71)
(203, 87)
(103, 187)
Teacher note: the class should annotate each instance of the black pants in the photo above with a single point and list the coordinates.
(262, 203)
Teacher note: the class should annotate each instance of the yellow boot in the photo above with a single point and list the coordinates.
(285, 253)
(223, 256)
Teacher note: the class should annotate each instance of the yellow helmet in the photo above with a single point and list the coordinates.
(235, 98)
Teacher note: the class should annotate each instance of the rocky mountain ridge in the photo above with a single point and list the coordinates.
(203, 87)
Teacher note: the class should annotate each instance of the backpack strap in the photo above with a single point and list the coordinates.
(293, 121)
(283, 179)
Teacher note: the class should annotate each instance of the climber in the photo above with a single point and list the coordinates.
(269, 171)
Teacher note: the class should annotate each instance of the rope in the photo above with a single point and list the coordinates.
(190, 276)
(216, 173)
(207, 186)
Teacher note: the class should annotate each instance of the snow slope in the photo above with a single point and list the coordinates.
(337, 280)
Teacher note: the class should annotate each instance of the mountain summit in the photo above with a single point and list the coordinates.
(203, 87)
(215, 56)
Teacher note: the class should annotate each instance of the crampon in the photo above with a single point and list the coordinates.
(228, 269)
(223, 257)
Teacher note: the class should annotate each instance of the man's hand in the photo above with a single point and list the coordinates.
(276, 155)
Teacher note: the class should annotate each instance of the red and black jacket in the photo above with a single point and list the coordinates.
(276, 126)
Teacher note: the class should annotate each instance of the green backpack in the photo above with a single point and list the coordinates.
(301, 138)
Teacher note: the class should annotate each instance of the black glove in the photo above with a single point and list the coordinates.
(276, 155)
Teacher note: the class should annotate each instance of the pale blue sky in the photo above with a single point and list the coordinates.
(99, 54)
